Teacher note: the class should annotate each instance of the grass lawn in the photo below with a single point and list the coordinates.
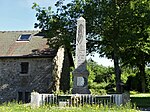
(141, 95)
(13, 107)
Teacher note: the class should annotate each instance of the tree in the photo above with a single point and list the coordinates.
(121, 29)
(53, 26)
(60, 24)
(108, 38)
(59, 27)
(137, 51)
(112, 27)
(101, 78)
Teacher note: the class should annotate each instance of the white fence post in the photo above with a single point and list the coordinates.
(35, 99)
(120, 99)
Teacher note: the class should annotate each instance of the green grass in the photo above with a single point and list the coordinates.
(141, 95)
(14, 107)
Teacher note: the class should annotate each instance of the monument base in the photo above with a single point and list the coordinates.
(81, 91)
(80, 78)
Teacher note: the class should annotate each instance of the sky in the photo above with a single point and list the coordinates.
(18, 15)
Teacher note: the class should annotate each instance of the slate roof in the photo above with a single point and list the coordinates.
(36, 46)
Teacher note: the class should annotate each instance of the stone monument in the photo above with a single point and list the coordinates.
(80, 74)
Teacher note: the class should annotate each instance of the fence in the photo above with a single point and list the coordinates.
(76, 99)
(82, 99)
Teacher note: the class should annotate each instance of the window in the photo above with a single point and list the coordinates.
(20, 96)
(24, 97)
(27, 97)
(24, 37)
(24, 67)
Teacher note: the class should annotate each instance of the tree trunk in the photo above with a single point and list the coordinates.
(142, 75)
(118, 74)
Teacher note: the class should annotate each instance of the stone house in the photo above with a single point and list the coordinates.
(28, 64)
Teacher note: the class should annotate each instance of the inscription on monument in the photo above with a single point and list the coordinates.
(80, 33)
(80, 81)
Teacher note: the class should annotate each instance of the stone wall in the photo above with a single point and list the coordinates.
(16, 86)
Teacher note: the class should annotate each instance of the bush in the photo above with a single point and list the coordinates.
(101, 79)
(147, 79)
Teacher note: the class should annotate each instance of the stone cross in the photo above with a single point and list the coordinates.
(80, 74)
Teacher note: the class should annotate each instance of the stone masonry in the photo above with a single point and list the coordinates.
(38, 78)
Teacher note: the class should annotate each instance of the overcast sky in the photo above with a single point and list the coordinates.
(18, 15)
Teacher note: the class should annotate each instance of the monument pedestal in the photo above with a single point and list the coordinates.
(81, 91)
(80, 77)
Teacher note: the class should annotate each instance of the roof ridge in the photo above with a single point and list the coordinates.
(21, 31)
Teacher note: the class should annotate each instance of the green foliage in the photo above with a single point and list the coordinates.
(56, 26)
(91, 77)
(97, 91)
(133, 82)
(136, 50)
(71, 77)
(101, 79)
(147, 79)
(133, 93)
(127, 72)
